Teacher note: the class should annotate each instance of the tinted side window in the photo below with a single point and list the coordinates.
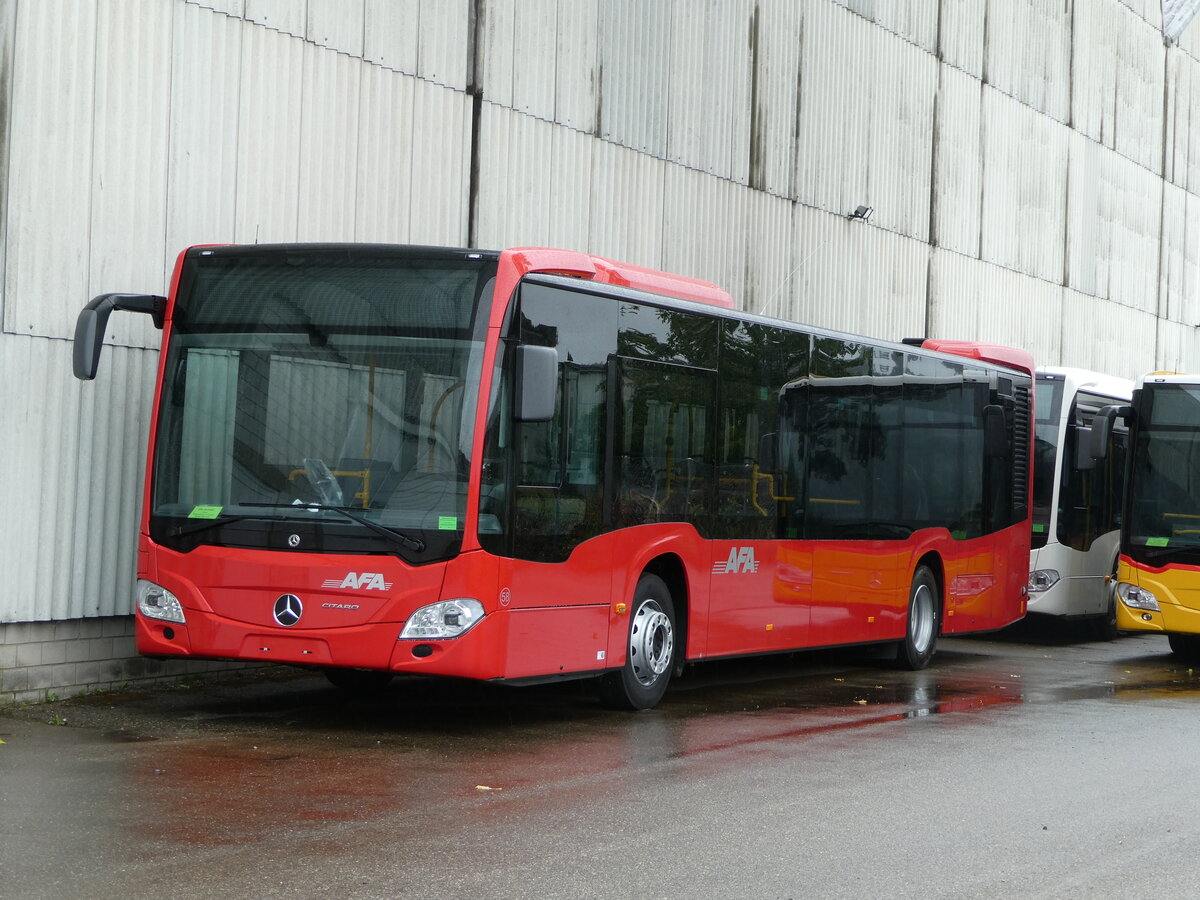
(850, 480)
(664, 452)
(942, 449)
(842, 434)
(667, 335)
(754, 491)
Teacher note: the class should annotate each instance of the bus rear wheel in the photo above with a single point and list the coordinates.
(649, 652)
(924, 612)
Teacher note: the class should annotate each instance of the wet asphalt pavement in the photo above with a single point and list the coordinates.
(1035, 763)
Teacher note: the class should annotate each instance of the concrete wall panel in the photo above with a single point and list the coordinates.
(202, 149)
(48, 231)
(958, 163)
(329, 140)
(1027, 53)
(1024, 188)
(80, 451)
(383, 190)
(269, 137)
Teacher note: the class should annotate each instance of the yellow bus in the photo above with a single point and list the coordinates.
(1158, 569)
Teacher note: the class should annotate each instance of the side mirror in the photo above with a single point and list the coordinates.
(93, 321)
(995, 434)
(1102, 427)
(537, 383)
(1084, 461)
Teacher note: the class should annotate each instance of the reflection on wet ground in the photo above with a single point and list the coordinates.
(300, 753)
(279, 761)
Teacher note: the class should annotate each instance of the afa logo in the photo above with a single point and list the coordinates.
(359, 581)
(741, 562)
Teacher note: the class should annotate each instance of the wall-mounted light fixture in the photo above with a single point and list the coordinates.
(861, 212)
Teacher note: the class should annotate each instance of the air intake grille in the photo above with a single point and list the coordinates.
(1020, 437)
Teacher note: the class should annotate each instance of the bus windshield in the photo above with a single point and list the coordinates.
(1165, 471)
(1048, 406)
(321, 399)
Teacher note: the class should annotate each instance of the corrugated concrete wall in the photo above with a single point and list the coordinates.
(1030, 164)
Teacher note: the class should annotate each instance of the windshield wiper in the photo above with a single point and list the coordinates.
(414, 544)
(180, 531)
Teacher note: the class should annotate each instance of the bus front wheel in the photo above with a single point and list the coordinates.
(649, 652)
(924, 610)
(1106, 625)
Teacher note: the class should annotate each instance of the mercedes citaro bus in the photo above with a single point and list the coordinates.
(1076, 499)
(540, 464)
(1158, 574)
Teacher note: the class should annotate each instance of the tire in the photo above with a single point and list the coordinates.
(924, 618)
(650, 650)
(1105, 627)
(1185, 646)
(358, 681)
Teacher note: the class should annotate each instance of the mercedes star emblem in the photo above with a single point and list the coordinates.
(294, 540)
(288, 610)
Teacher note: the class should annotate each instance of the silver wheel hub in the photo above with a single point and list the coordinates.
(922, 619)
(651, 641)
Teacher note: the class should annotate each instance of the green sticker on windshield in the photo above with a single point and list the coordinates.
(447, 523)
(1038, 529)
(959, 535)
(1157, 542)
(205, 512)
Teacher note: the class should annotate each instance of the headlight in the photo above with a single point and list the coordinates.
(1135, 597)
(447, 619)
(155, 602)
(1042, 580)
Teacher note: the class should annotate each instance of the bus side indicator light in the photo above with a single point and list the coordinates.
(621, 609)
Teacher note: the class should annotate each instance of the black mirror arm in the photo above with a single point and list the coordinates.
(150, 304)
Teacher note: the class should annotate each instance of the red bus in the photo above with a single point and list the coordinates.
(538, 464)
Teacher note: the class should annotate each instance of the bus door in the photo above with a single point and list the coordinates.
(1089, 503)
(545, 494)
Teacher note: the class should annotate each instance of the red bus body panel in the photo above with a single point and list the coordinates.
(563, 618)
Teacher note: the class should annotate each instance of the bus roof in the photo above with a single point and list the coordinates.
(596, 268)
(1012, 357)
(1086, 379)
(1167, 378)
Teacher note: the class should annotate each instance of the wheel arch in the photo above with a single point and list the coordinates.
(933, 562)
(669, 567)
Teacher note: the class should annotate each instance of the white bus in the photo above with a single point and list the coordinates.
(1076, 499)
